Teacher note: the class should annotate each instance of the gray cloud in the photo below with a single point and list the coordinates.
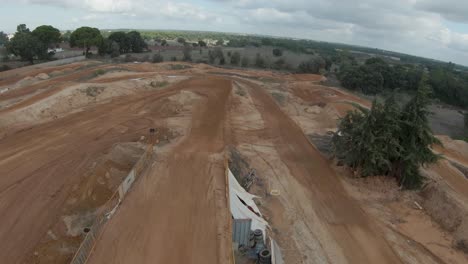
(453, 10)
(414, 26)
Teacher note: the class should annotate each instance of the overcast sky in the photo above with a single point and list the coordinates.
(430, 28)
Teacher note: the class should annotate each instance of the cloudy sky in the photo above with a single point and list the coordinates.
(430, 28)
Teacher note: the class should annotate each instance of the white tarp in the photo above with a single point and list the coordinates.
(240, 210)
(276, 256)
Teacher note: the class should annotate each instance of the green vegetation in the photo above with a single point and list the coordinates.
(187, 53)
(99, 72)
(157, 58)
(235, 58)
(277, 52)
(86, 37)
(48, 37)
(30, 45)
(216, 55)
(245, 61)
(376, 76)
(120, 43)
(259, 61)
(388, 139)
(3, 39)
(24, 44)
(312, 66)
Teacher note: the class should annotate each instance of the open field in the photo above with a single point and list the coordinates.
(69, 134)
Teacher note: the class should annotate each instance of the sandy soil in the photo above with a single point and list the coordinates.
(182, 206)
(69, 134)
(58, 154)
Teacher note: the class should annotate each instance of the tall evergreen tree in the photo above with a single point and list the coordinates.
(386, 140)
(416, 138)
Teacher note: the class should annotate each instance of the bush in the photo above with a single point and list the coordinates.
(245, 61)
(279, 64)
(4, 68)
(215, 54)
(259, 61)
(157, 58)
(174, 58)
(187, 54)
(235, 58)
(129, 58)
(277, 52)
(99, 72)
(311, 66)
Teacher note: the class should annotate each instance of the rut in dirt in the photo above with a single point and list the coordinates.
(181, 203)
(359, 238)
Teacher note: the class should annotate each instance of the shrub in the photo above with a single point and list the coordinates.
(277, 52)
(187, 54)
(279, 64)
(311, 66)
(158, 58)
(4, 68)
(259, 61)
(235, 58)
(245, 61)
(99, 72)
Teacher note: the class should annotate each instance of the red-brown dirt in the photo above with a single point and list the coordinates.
(352, 229)
(40, 164)
(178, 211)
(181, 207)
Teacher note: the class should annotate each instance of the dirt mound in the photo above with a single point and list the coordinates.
(443, 208)
(449, 211)
(62, 240)
(42, 76)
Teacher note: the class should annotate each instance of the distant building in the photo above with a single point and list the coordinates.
(54, 50)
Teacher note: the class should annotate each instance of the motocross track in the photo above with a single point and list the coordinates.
(178, 211)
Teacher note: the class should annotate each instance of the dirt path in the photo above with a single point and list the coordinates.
(40, 165)
(178, 213)
(359, 239)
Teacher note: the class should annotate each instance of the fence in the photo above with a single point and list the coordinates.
(109, 208)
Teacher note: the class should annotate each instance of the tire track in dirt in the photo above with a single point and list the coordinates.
(359, 239)
(55, 156)
(178, 211)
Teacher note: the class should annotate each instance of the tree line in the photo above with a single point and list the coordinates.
(30, 45)
(377, 76)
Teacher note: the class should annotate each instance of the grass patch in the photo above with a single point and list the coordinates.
(94, 91)
(99, 72)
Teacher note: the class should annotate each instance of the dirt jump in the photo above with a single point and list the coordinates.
(68, 141)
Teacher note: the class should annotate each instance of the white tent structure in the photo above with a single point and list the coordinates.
(249, 210)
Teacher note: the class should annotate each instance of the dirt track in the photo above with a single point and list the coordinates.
(181, 207)
(349, 225)
(40, 165)
(177, 212)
